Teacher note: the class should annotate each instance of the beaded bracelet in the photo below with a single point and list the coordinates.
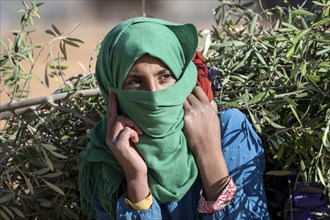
(223, 200)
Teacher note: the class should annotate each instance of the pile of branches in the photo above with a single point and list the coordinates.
(38, 152)
(274, 66)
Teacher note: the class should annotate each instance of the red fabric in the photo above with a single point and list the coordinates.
(203, 80)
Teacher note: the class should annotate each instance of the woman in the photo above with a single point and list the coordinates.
(157, 154)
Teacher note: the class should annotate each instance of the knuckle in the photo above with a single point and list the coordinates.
(187, 119)
(188, 110)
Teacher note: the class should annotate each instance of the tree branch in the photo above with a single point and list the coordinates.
(19, 107)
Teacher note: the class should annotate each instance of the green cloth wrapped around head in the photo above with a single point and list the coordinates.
(171, 166)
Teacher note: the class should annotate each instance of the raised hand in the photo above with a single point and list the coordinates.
(202, 130)
(122, 133)
(202, 127)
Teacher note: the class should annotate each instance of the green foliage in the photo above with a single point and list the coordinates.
(19, 57)
(38, 157)
(274, 66)
(17, 51)
(277, 71)
(38, 171)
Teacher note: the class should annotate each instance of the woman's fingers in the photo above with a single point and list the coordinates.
(130, 123)
(117, 123)
(200, 94)
(113, 115)
(187, 108)
(192, 100)
(121, 124)
(186, 105)
(113, 109)
(129, 134)
(197, 96)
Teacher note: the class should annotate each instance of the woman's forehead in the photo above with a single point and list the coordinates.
(146, 58)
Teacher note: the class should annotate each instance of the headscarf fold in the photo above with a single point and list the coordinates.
(171, 166)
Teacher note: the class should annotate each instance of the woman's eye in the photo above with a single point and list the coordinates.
(134, 82)
(166, 76)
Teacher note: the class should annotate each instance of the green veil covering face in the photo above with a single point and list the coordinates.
(171, 166)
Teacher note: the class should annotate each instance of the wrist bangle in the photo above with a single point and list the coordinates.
(222, 201)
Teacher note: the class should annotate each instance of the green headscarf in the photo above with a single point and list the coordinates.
(171, 166)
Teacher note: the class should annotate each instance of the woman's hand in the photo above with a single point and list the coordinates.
(202, 127)
(122, 133)
(202, 130)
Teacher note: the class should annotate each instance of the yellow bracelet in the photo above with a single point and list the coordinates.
(144, 204)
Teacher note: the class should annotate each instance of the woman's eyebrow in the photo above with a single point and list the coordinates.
(139, 75)
(165, 70)
(135, 75)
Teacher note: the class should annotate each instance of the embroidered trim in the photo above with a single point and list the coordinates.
(223, 200)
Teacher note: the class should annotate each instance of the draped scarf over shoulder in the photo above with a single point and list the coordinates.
(171, 166)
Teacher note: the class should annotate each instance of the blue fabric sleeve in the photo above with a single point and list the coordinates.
(244, 156)
(124, 212)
